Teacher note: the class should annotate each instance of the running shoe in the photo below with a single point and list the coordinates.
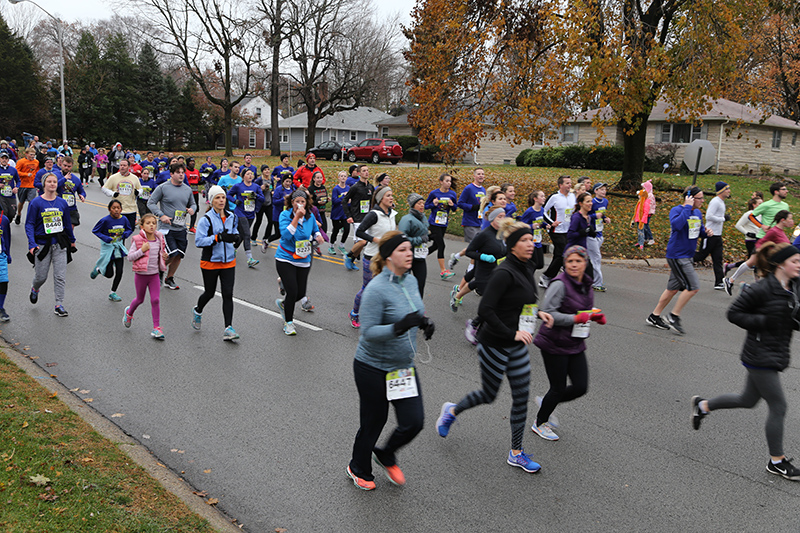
(4, 316)
(281, 288)
(354, 320)
(544, 281)
(169, 283)
(446, 274)
(251, 263)
(264, 246)
(192, 230)
(307, 306)
(253, 242)
(599, 288)
(393, 472)
(362, 484)
(744, 287)
(784, 469)
(94, 273)
(279, 303)
(454, 302)
(675, 323)
(651, 242)
(331, 250)
(197, 318)
(318, 251)
(17, 220)
(445, 420)
(348, 263)
(34, 297)
(157, 334)
(452, 262)
(114, 297)
(524, 461)
(553, 420)
(728, 286)
(343, 249)
(657, 321)
(697, 414)
(720, 287)
(60, 311)
(127, 318)
(545, 431)
(289, 329)
(470, 332)
(230, 334)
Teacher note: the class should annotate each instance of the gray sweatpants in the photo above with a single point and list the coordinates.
(593, 245)
(41, 268)
(760, 383)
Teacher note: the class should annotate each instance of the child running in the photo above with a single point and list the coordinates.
(148, 255)
(112, 230)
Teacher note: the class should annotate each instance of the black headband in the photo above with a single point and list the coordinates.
(783, 254)
(386, 249)
(512, 239)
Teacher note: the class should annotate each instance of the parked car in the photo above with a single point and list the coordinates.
(376, 150)
(330, 150)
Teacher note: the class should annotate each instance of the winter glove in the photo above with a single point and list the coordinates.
(727, 218)
(582, 318)
(489, 258)
(116, 194)
(750, 236)
(600, 318)
(407, 322)
(427, 328)
(72, 248)
(228, 237)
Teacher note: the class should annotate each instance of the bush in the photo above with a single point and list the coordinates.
(407, 141)
(606, 158)
(574, 156)
(522, 156)
(657, 155)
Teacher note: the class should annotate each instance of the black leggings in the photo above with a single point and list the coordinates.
(558, 368)
(420, 271)
(340, 225)
(437, 236)
(101, 175)
(295, 280)
(559, 244)
(115, 264)
(323, 218)
(266, 210)
(538, 258)
(226, 278)
(197, 203)
(373, 414)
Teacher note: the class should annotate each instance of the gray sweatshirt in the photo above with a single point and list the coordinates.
(169, 198)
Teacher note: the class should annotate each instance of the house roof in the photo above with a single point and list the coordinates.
(721, 110)
(359, 119)
(401, 120)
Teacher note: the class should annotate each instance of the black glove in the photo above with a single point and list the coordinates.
(228, 237)
(590, 232)
(136, 192)
(727, 218)
(407, 322)
(427, 328)
(425, 238)
(750, 235)
(72, 248)
(116, 194)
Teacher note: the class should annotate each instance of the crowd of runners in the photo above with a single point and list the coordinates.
(158, 204)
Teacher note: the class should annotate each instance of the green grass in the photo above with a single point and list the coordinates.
(91, 484)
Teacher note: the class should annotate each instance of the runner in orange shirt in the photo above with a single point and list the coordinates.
(27, 169)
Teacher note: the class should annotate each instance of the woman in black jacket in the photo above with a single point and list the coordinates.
(770, 312)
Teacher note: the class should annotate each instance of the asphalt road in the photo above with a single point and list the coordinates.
(266, 424)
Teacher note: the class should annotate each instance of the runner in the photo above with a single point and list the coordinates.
(594, 244)
(373, 226)
(218, 236)
(769, 311)
(510, 192)
(469, 202)
(284, 166)
(570, 301)
(748, 229)
(68, 187)
(50, 241)
(319, 198)
(171, 202)
(5, 260)
(715, 218)
(50, 165)
(686, 223)
(247, 165)
(112, 230)
(282, 191)
(85, 164)
(207, 169)
(384, 367)
(415, 227)
(305, 174)
(148, 185)
(247, 198)
(293, 258)
(441, 202)
(124, 186)
(563, 201)
(229, 180)
(193, 179)
(267, 186)
(534, 216)
(356, 205)
(581, 225)
(27, 168)
(338, 216)
(508, 313)
(9, 184)
(101, 162)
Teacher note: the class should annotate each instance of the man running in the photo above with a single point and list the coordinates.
(124, 186)
(715, 218)
(563, 201)
(470, 203)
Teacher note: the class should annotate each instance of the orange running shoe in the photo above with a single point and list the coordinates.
(394, 473)
(362, 484)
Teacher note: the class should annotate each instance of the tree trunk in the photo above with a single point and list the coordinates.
(228, 125)
(275, 145)
(633, 162)
(311, 129)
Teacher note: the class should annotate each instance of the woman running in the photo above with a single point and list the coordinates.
(112, 230)
(375, 224)
(415, 227)
(769, 311)
(293, 258)
(749, 230)
(248, 198)
(534, 216)
(101, 161)
(282, 192)
(218, 236)
(581, 225)
(510, 193)
(148, 255)
(441, 202)
(569, 300)
(384, 367)
(508, 312)
(338, 216)
(265, 183)
(782, 221)
(318, 195)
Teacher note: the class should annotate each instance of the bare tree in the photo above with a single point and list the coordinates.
(217, 37)
(339, 52)
(275, 30)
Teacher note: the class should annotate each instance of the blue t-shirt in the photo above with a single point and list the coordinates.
(69, 189)
(226, 182)
(9, 179)
(148, 187)
(511, 210)
(470, 202)
(351, 181)
(45, 220)
(598, 205)
(276, 172)
(440, 214)
(278, 200)
(532, 216)
(110, 229)
(246, 198)
(152, 165)
(37, 179)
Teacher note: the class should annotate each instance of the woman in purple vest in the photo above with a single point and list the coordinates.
(570, 300)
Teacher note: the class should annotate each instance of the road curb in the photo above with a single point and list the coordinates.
(129, 446)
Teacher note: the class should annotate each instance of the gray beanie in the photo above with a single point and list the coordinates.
(413, 198)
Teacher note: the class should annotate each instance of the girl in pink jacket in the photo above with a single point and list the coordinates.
(148, 255)
(641, 213)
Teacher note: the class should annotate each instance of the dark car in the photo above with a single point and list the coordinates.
(330, 150)
(376, 150)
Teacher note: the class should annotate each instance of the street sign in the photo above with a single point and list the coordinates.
(700, 155)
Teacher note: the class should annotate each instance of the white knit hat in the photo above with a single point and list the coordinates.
(214, 191)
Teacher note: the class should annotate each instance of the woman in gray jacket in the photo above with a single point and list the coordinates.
(415, 226)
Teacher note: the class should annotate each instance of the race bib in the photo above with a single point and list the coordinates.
(302, 248)
(581, 331)
(694, 227)
(125, 189)
(6, 190)
(527, 319)
(421, 251)
(598, 223)
(52, 221)
(69, 198)
(194, 187)
(144, 194)
(441, 218)
(102, 165)
(568, 212)
(364, 206)
(249, 205)
(537, 235)
(401, 384)
(180, 218)
(85, 165)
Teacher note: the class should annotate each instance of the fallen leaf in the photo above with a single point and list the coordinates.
(88, 400)
(201, 493)
(85, 391)
(87, 460)
(173, 450)
(117, 415)
(212, 501)
(281, 530)
(33, 357)
(145, 436)
(75, 389)
(53, 376)
(48, 496)
(55, 394)
(207, 471)
(162, 466)
(48, 411)
(49, 365)
(181, 451)
(9, 406)
(24, 424)
(39, 480)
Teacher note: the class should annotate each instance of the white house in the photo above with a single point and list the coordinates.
(257, 135)
(352, 126)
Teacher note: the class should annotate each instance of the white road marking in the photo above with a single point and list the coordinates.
(262, 310)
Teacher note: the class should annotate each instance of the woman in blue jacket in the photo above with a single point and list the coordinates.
(218, 235)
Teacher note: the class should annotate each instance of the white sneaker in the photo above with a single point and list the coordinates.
(452, 262)
(289, 329)
(544, 281)
(553, 420)
(545, 431)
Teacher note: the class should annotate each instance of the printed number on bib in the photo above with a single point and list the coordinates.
(85, 165)
(568, 212)
(364, 206)
(180, 218)
(302, 248)
(421, 251)
(401, 384)
(69, 198)
(527, 319)
(598, 223)
(581, 331)
(145, 194)
(441, 218)
(694, 227)
(249, 205)
(126, 189)
(52, 222)
(537, 235)
(6, 190)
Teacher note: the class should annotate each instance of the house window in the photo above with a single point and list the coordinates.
(353, 135)
(794, 139)
(384, 131)
(284, 136)
(680, 133)
(539, 141)
(776, 139)
(252, 138)
(258, 112)
(305, 135)
(568, 133)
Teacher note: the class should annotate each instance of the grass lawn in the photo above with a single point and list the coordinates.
(620, 237)
(58, 475)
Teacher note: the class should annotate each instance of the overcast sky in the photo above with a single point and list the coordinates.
(99, 9)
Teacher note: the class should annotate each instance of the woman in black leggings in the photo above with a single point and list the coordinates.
(441, 202)
(415, 228)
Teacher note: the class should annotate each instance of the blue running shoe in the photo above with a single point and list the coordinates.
(524, 461)
(445, 420)
(230, 334)
(126, 320)
(197, 318)
(348, 263)
(279, 303)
